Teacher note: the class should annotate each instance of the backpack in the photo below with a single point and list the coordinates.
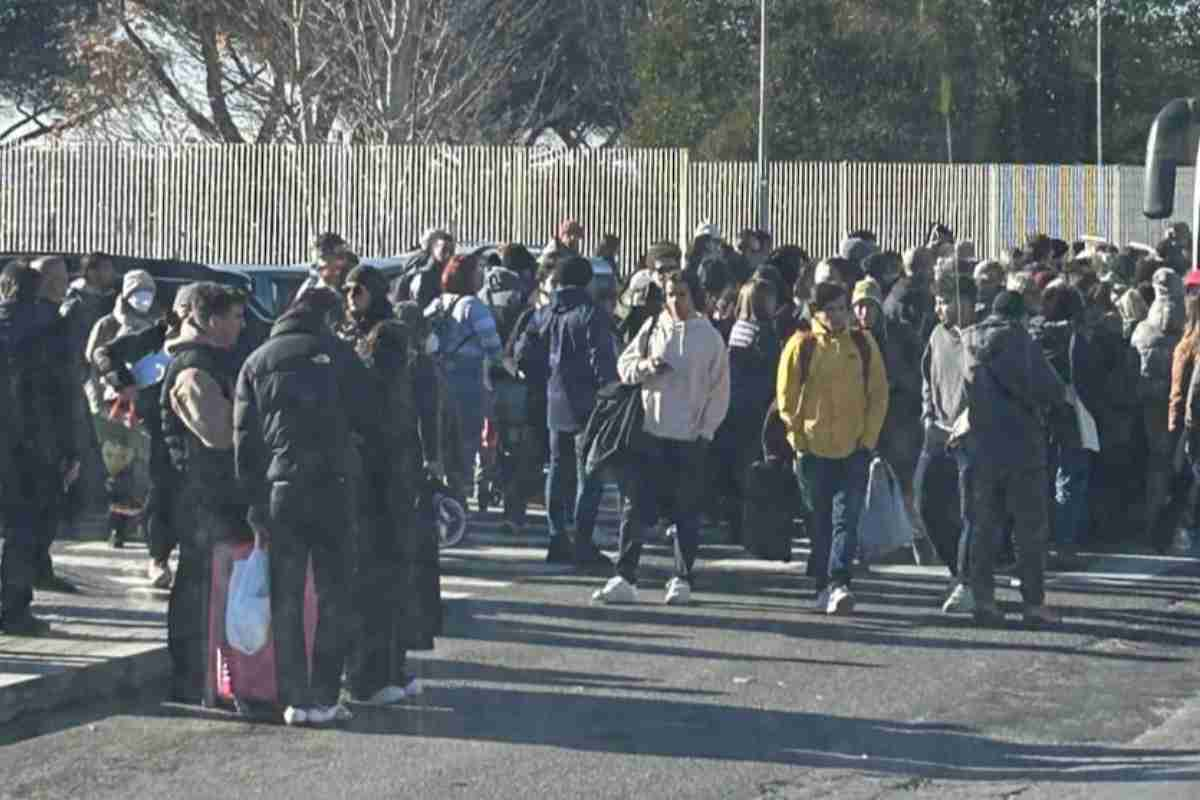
(450, 330)
(808, 348)
(507, 296)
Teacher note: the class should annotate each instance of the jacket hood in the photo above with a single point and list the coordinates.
(136, 280)
(985, 339)
(1166, 312)
(189, 335)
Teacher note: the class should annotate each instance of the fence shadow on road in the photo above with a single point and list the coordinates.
(690, 730)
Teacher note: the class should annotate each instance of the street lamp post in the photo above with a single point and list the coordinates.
(764, 188)
(1099, 83)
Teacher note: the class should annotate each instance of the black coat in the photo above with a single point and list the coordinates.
(396, 546)
(38, 432)
(111, 362)
(1075, 359)
(298, 398)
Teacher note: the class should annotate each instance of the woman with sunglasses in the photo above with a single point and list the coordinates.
(395, 584)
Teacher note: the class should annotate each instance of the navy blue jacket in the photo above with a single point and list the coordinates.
(582, 357)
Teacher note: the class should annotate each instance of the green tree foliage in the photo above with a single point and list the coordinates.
(36, 61)
(880, 79)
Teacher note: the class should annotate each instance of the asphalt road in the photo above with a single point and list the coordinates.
(535, 693)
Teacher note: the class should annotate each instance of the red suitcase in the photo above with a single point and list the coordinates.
(235, 679)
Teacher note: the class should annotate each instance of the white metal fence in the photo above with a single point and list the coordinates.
(262, 204)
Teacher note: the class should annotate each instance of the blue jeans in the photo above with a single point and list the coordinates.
(1071, 495)
(838, 488)
(564, 455)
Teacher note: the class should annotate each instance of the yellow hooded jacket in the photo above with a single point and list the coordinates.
(831, 414)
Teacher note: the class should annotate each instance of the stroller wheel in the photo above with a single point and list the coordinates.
(451, 520)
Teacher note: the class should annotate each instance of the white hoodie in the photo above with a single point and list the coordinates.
(690, 399)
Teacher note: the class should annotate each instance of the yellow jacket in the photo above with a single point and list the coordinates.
(830, 415)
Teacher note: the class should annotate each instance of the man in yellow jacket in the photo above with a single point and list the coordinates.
(833, 397)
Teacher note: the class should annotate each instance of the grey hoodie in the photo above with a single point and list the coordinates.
(1155, 338)
(943, 384)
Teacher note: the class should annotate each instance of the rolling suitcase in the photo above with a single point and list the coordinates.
(247, 683)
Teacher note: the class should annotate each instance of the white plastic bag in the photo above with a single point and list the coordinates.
(884, 526)
(248, 608)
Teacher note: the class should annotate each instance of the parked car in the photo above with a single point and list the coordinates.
(172, 274)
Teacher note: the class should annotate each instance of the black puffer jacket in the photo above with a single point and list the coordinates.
(298, 397)
(37, 433)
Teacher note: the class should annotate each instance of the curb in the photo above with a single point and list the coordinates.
(92, 682)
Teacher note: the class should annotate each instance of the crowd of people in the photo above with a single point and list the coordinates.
(1027, 405)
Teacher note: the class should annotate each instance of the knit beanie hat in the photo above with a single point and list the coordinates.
(826, 293)
(867, 291)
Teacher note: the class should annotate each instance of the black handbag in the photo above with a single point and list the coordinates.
(615, 428)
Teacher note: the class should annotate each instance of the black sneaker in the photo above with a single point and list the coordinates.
(55, 583)
(988, 616)
(25, 625)
(116, 539)
(562, 550)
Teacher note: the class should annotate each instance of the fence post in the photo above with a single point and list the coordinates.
(993, 209)
(683, 159)
(843, 218)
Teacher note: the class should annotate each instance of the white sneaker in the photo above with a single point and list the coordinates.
(678, 592)
(293, 715)
(960, 601)
(342, 714)
(841, 602)
(387, 696)
(159, 573)
(413, 688)
(822, 601)
(323, 715)
(616, 591)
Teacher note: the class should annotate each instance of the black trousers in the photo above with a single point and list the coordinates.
(1001, 495)
(201, 525)
(309, 522)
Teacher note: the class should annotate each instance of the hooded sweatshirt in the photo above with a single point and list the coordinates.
(943, 384)
(691, 399)
(123, 320)
(831, 414)
(1156, 337)
(1012, 388)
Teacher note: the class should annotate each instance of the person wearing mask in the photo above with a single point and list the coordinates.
(753, 364)
(580, 360)
(197, 425)
(833, 405)
(468, 342)
(131, 315)
(132, 367)
(1155, 340)
(682, 366)
(944, 404)
(1012, 388)
(31, 441)
(299, 396)
(58, 459)
(395, 582)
